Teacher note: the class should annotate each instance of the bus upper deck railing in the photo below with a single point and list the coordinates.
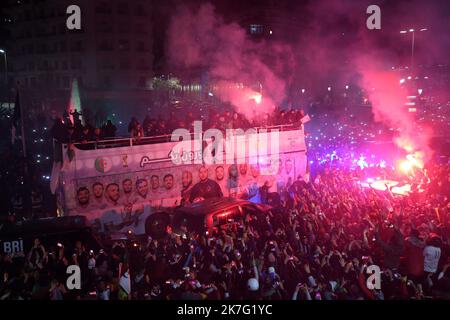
(129, 142)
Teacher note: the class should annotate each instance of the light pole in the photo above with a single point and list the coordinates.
(6, 75)
(412, 31)
(6, 66)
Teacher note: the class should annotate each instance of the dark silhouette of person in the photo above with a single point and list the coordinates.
(109, 129)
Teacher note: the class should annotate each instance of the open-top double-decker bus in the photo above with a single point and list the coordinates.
(117, 184)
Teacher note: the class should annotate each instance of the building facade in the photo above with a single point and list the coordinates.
(111, 56)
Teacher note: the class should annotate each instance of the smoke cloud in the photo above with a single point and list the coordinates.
(242, 70)
(366, 57)
(388, 100)
(334, 48)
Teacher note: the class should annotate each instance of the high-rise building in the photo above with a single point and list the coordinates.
(111, 56)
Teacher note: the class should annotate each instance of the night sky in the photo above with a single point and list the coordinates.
(302, 18)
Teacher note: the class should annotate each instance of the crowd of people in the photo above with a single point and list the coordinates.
(343, 132)
(223, 120)
(71, 130)
(316, 243)
(68, 129)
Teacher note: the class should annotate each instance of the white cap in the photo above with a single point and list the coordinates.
(252, 284)
(271, 270)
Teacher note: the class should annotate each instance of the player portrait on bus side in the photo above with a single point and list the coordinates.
(232, 181)
(127, 196)
(253, 183)
(83, 200)
(98, 200)
(220, 178)
(186, 186)
(168, 182)
(141, 194)
(288, 167)
(205, 188)
(112, 194)
(220, 173)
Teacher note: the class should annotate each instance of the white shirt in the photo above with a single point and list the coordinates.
(431, 258)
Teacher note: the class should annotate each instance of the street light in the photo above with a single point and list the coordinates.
(6, 66)
(6, 76)
(412, 42)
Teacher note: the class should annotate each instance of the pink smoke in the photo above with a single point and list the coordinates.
(360, 51)
(321, 56)
(388, 100)
(203, 40)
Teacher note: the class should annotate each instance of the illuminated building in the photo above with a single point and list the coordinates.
(111, 56)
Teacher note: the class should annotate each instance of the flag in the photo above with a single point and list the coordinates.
(75, 101)
(305, 119)
(54, 181)
(308, 172)
(58, 163)
(124, 281)
(16, 117)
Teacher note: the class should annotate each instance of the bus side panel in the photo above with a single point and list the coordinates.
(118, 188)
